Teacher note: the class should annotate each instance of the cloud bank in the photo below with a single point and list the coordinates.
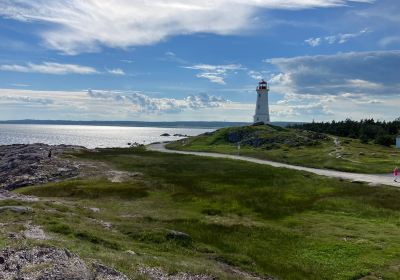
(77, 26)
(344, 85)
(143, 103)
(49, 68)
(21, 100)
(368, 73)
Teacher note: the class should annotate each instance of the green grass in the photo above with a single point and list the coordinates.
(91, 189)
(271, 221)
(353, 155)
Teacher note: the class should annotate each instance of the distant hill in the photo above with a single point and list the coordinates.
(177, 124)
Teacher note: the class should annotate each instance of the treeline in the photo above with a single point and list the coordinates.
(381, 132)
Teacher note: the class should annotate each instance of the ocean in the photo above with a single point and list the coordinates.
(89, 136)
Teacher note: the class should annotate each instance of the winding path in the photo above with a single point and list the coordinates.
(372, 179)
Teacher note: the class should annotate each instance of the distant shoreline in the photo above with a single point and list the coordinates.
(176, 124)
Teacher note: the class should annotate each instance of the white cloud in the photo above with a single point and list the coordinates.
(169, 53)
(358, 83)
(213, 78)
(84, 26)
(215, 73)
(335, 39)
(343, 38)
(313, 42)
(172, 57)
(301, 110)
(255, 75)
(141, 102)
(49, 68)
(25, 100)
(116, 71)
(129, 61)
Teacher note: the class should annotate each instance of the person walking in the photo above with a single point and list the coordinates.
(396, 173)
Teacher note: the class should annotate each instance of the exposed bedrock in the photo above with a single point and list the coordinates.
(33, 164)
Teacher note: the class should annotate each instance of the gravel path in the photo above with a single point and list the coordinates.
(372, 179)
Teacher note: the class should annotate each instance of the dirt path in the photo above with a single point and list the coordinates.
(339, 151)
(373, 179)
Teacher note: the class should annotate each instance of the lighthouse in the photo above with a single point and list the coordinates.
(262, 107)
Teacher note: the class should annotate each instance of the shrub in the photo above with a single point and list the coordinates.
(384, 140)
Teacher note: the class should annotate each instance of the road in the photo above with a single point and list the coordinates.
(372, 179)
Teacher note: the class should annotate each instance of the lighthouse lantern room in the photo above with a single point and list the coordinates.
(262, 107)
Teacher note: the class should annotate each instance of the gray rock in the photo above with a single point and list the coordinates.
(36, 233)
(130, 252)
(178, 236)
(6, 195)
(51, 264)
(16, 209)
(25, 165)
(159, 274)
(94, 209)
(105, 273)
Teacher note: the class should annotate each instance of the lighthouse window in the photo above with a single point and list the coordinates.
(259, 95)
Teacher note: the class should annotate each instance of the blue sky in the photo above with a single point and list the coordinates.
(185, 60)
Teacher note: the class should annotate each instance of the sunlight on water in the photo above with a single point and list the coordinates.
(89, 136)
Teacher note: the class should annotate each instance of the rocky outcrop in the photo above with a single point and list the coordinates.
(158, 274)
(33, 164)
(51, 264)
(16, 209)
(6, 195)
(275, 138)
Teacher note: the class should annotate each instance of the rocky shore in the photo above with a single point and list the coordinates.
(33, 164)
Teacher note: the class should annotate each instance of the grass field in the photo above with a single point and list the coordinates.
(344, 154)
(264, 220)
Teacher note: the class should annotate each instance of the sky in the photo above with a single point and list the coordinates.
(187, 60)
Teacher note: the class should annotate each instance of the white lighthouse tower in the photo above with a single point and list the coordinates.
(262, 107)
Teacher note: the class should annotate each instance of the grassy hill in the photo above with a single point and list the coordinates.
(237, 216)
(295, 146)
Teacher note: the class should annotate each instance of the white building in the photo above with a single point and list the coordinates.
(398, 142)
(262, 107)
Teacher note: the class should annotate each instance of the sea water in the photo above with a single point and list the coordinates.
(90, 136)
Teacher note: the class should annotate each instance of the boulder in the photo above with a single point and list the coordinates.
(35, 233)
